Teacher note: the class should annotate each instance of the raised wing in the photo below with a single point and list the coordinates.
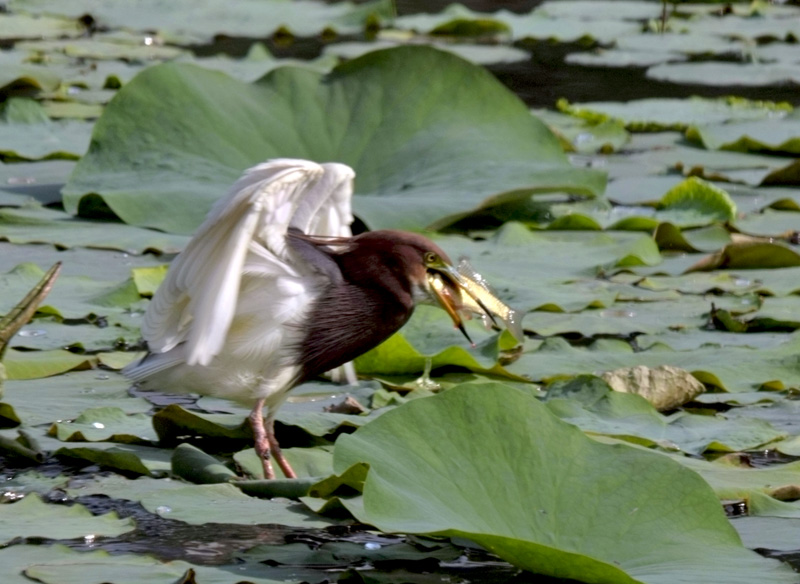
(245, 232)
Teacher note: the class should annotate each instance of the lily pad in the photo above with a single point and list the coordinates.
(24, 26)
(762, 136)
(106, 424)
(727, 74)
(126, 458)
(658, 114)
(734, 369)
(32, 517)
(64, 397)
(250, 18)
(224, 503)
(33, 224)
(392, 190)
(60, 139)
(589, 403)
(749, 253)
(479, 54)
(637, 534)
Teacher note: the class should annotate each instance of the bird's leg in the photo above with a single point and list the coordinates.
(261, 439)
(287, 469)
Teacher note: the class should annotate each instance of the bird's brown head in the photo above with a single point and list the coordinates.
(410, 261)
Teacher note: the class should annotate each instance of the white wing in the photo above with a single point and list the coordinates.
(245, 232)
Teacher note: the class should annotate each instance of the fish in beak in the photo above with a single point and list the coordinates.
(462, 292)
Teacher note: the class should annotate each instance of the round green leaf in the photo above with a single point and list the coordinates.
(176, 137)
(487, 462)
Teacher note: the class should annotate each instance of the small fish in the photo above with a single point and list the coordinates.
(475, 295)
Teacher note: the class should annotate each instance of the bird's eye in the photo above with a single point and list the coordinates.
(431, 258)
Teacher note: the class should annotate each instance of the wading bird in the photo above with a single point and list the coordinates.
(274, 290)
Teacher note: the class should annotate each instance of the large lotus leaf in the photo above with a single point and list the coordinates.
(249, 18)
(168, 169)
(32, 517)
(764, 135)
(482, 469)
(655, 114)
(42, 225)
(734, 369)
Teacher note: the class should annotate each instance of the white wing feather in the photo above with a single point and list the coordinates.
(244, 235)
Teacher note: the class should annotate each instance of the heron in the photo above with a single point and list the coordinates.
(274, 290)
